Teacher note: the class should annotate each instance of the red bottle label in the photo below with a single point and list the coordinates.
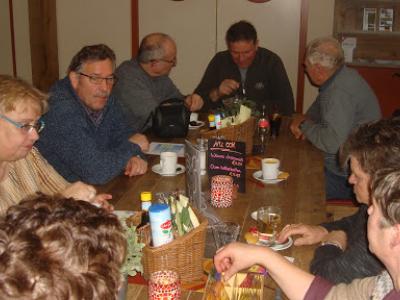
(166, 225)
(263, 123)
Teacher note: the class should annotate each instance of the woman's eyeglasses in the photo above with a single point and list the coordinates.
(27, 128)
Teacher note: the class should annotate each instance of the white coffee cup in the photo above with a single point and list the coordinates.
(194, 116)
(168, 162)
(270, 168)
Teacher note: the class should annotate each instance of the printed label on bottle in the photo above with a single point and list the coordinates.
(263, 123)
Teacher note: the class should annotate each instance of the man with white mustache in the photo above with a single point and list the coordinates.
(86, 136)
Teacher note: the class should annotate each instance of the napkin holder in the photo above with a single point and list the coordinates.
(196, 172)
(197, 184)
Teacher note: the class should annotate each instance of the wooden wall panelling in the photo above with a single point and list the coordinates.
(348, 22)
(382, 46)
(135, 26)
(302, 51)
(43, 41)
(386, 84)
(11, 13)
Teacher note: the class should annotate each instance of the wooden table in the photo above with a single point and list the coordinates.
(301, 197)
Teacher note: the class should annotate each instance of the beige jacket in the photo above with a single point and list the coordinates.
(369, 288)
(28, 176)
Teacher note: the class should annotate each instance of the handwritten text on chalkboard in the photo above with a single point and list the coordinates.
(228, 158)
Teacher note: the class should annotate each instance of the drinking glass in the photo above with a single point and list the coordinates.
(268, 220)
(225, 233)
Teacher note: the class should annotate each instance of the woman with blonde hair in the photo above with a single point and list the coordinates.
(23, 170)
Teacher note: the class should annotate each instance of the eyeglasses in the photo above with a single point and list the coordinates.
(26, 128)
(98, 80)
(171, 61)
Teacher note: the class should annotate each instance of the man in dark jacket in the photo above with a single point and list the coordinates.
(246, 69)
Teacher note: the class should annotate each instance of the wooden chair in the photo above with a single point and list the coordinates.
(339, 208)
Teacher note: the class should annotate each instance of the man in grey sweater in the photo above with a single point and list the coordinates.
(143, 83)
(345, 101)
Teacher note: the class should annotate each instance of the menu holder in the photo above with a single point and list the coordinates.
(228, 158)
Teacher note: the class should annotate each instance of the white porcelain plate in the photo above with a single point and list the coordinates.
(279, 247)
(199, 124)
(179, 170)
(258, 175)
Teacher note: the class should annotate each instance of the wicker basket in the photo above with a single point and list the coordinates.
(183, 255)
(241, 133)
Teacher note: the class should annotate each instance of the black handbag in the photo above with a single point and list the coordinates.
(171, 119)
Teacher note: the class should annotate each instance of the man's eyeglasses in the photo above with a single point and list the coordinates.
(98, 80)
(170, 61)
(27, 128)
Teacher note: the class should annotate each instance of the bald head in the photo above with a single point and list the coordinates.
(156, 46)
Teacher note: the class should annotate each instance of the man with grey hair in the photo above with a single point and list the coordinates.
(143, 83)
(344, 102)
(86, 137)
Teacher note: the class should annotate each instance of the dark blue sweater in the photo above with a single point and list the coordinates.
(76, 147)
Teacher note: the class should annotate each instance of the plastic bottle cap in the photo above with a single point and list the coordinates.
(145, 196)
(158, 207)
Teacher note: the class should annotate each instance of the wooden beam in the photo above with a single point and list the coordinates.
(43, 41)
(11, 14)
(302, 50)
(135, 26)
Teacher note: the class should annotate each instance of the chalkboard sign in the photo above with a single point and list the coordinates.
(228, 158)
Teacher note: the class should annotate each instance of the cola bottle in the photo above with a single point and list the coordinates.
(262, 133)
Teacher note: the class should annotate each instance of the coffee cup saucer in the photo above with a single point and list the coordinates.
(179, 170)
(198, 124)
(259, 176)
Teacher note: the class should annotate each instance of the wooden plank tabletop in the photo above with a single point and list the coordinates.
(301, 197)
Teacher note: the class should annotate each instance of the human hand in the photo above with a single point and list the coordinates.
(194, 102)
(135, 166)
(141, 140)
(295, 126)
(79, 191)
(227, 87)
(102, 201)
(309, 234)
(336, 237)
(237, 256)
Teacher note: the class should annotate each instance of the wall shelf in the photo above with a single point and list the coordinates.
(348, 22)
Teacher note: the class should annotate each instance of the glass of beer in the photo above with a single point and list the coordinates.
(268, 223)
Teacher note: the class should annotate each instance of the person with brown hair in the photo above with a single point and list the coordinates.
(60, 249)
(384, 242)
(248, 70)
(343, 253)
(23, 170)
